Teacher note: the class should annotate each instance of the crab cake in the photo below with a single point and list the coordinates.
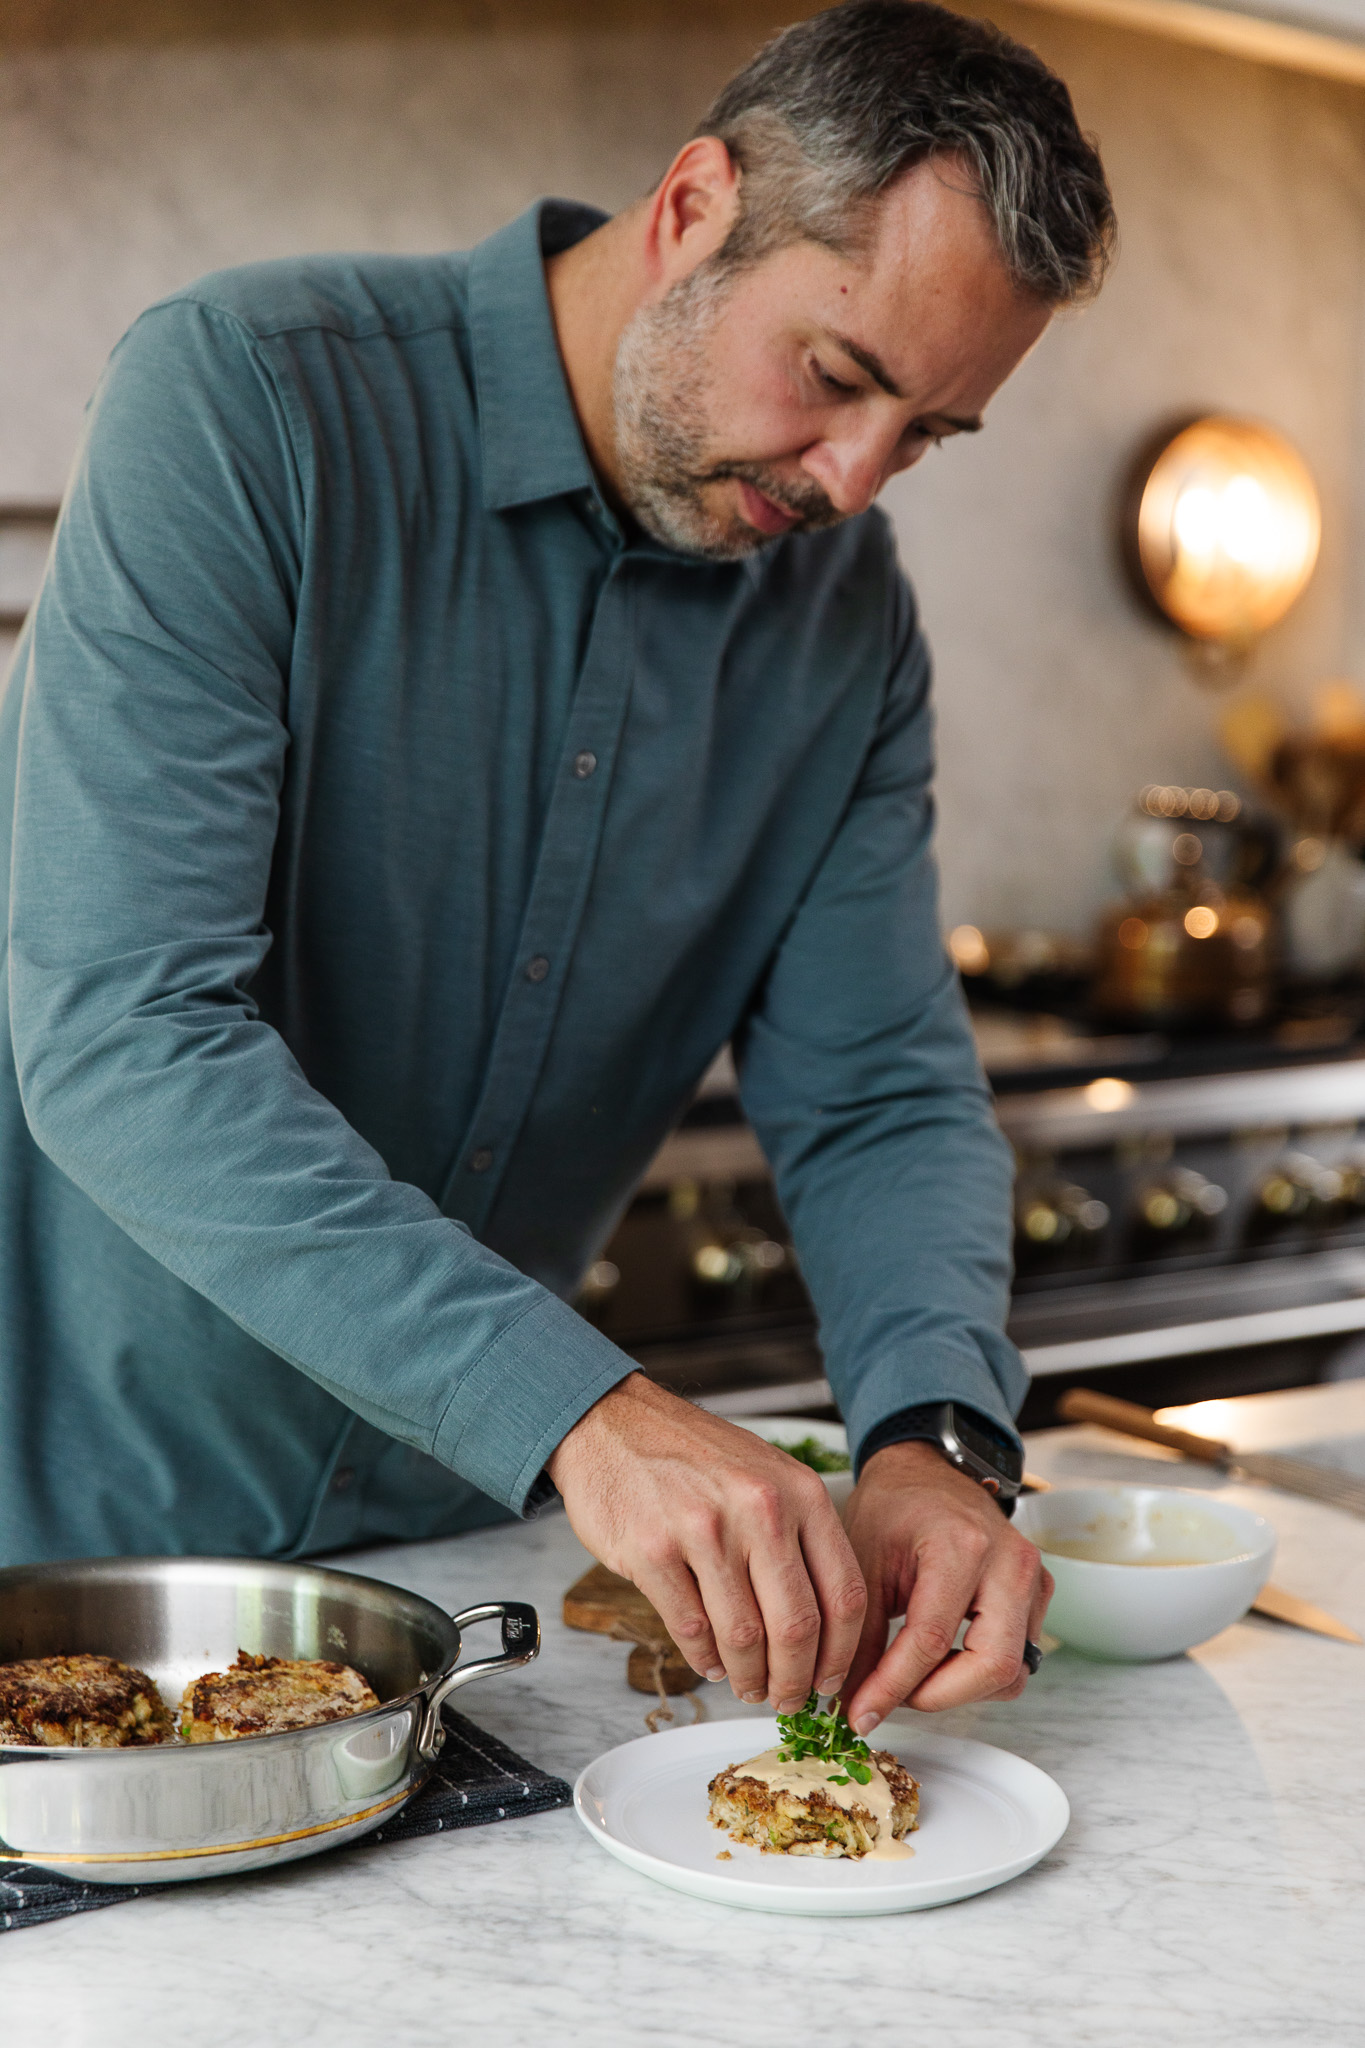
(80, 1702)
(801, 1809)
(267, 1695)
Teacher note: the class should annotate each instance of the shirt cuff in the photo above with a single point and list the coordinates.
(518, 1402)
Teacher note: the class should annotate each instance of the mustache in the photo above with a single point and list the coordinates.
(806, 500)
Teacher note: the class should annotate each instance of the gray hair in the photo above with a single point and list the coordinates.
(835, 108)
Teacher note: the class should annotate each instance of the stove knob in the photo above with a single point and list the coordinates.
(599, 1284)
(1050, 1218)
(717, 1265)
(1040, 1223)
(749, 1260)
(1302, 1190)
(602, 1278)
(1161, 1209)
(1282, 1199)
(1180, 1201)
(764, 1256)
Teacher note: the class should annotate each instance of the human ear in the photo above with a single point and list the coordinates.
(691, 210)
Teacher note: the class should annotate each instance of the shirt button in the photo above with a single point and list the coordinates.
(480, 1161)
(584, 764)
(537, 969)
(343, 1479)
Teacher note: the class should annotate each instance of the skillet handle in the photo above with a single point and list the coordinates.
(520, 1643)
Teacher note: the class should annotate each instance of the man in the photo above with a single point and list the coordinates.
(466, 692)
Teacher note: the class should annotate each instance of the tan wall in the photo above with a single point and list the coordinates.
(135, 152)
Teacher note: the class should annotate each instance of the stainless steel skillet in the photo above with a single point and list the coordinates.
(160, 1814)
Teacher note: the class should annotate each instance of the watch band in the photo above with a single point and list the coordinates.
(972, 1443)
(907, 1425)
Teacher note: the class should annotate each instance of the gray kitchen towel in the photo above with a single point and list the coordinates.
(477, 1779)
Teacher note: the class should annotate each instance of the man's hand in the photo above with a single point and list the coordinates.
(934, 1547)
(737, 1545)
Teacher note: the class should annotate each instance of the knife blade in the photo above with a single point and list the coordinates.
(1271, 1600)
(1282, 1606)
(1268, 1468)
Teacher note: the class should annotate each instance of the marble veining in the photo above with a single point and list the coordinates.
(1209, 1889)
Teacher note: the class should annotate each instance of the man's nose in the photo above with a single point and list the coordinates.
(849, 472)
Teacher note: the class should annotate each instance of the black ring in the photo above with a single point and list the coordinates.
(1033, 1655)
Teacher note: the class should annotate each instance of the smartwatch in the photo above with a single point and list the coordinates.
(970, 1441)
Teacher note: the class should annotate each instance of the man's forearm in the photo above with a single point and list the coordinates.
(900, 1208)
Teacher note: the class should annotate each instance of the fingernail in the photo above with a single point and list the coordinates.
(829, 1685)
(753, 1699)
(789, 1706)
(715, 1677)
(867, 1722)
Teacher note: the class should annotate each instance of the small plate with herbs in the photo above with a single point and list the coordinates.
(985, 1816)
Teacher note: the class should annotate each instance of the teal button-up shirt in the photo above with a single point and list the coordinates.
(395, 842)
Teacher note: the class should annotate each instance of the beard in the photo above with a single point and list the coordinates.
(665, 456)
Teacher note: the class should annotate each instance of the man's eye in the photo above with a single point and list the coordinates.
(830, 383)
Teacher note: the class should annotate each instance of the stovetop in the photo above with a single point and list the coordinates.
(1025, 1047)
(1190, 1217)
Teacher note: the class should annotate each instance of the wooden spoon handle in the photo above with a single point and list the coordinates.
(1080, 1405)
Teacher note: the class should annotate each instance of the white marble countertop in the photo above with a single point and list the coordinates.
(1209, 1889)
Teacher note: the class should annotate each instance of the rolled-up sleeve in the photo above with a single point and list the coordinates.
(860, 1076)
(153, 754)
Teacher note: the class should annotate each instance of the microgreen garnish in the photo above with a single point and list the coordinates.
(810, 1451)
(828, 1737)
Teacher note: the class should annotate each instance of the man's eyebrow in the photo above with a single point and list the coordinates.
(866, 360)
(878, 372)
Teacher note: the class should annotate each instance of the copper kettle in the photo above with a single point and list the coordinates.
(1194, 941)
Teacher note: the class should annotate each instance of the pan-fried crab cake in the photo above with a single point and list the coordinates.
(799, 1808)
(820, 1792)
(267, 1695)
(81, 1702)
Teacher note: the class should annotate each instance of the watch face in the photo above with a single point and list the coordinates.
(995, 1451)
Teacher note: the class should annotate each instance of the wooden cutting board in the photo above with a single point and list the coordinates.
(605, 1604)
(601, 1599)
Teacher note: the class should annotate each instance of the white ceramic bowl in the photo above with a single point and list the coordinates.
(790, 1429)
(1162, 1569)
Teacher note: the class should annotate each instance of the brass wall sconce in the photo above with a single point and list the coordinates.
(1222, 529)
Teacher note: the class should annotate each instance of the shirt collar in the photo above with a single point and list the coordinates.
(528, 430)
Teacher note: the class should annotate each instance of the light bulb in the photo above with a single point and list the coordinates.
(1227, 528)
(1197, 520)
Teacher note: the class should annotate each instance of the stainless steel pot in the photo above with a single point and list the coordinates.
(159, 1814)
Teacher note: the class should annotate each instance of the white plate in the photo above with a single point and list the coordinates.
(985, 1816)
